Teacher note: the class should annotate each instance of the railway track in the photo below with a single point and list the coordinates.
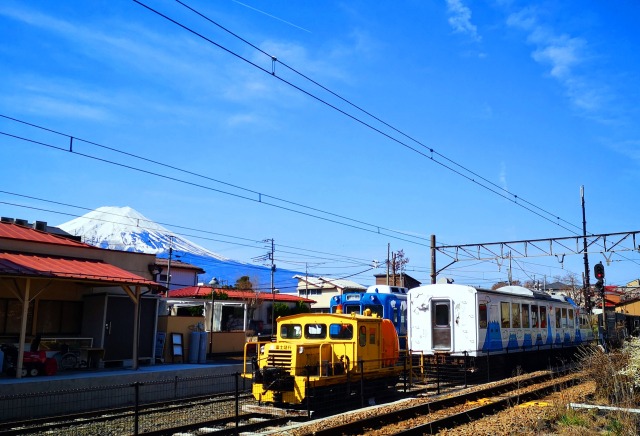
(156, 418)
(450, 411)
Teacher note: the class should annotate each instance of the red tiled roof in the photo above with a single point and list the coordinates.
(30, 265)
(15, 231)
(234, 294)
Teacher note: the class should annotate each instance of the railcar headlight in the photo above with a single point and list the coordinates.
(300, 349)
(262, 349)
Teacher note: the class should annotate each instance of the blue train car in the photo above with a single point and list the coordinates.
(389, 302)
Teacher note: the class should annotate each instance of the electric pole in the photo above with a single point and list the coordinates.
(587, 284)
(169, 264)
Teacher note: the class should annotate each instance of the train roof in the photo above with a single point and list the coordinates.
(327, 317)
(386, 289)
(505, 290)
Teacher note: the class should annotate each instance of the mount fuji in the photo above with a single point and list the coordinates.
(125, 229)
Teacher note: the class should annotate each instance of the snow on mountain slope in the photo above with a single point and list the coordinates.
(123, 228)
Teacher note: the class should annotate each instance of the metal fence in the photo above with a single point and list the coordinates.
(222, 401)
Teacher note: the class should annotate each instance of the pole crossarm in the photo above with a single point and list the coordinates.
(604, 243)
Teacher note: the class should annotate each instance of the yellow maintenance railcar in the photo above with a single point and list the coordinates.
(324, 353)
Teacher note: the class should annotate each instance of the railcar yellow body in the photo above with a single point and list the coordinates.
(321, 352)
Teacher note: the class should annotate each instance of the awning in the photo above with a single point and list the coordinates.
(55, 267)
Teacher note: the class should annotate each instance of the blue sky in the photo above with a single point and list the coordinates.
(535, 99)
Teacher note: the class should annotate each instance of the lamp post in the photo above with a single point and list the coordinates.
(213, 283)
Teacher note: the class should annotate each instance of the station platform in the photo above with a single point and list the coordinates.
(92, 378)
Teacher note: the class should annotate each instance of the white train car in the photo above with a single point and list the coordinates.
(458, 320)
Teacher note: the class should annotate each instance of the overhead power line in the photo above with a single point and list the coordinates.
(315, 254)
(371, 228)
(429, 151)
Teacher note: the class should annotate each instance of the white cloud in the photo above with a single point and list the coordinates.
(563, 55)
(503, 176)
(460, 19)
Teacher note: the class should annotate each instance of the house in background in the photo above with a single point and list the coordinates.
(321, 289)
(231, 317)
(175, 273)
(402, 280)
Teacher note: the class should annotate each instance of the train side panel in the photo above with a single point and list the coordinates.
(461, 320)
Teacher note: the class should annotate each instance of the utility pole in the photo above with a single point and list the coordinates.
(169, 264)
(388, 250)
(587, 285)
(273, 291)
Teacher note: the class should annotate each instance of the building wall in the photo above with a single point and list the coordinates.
(221, 342)
(630, 308)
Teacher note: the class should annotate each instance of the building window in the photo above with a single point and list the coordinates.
(11, 315)
(59, 317)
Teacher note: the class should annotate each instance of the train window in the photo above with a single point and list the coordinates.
(543, 317)
(375, 308)
(441, 318)
(351, 308)
(504, 315)
(341, 331)
(315, 331)
(525, 316)
(558, 318)
(372, 335)
(571, 320)
(534, 316)
(362, 336)
(563, 318)
(482, 315)
(291, 331)
(515, 315)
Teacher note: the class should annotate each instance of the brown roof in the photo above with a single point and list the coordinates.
(22, 233)
(177, 264)
(56, 267)
(234, 294)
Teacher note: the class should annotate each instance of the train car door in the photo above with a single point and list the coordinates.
(441, 324)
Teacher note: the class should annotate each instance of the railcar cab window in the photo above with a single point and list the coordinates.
(558, 318)
(351, 308)
(505, 317)
(315, 331)
(563, 320)
(534, 317)
(482, 315)
(291, 331)
(375, 308)
(340, 331)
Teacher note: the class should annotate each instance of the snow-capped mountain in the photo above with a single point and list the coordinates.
(123, 228)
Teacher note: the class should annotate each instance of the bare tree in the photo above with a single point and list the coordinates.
(398, 262)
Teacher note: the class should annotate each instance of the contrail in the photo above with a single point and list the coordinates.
(269, 15)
